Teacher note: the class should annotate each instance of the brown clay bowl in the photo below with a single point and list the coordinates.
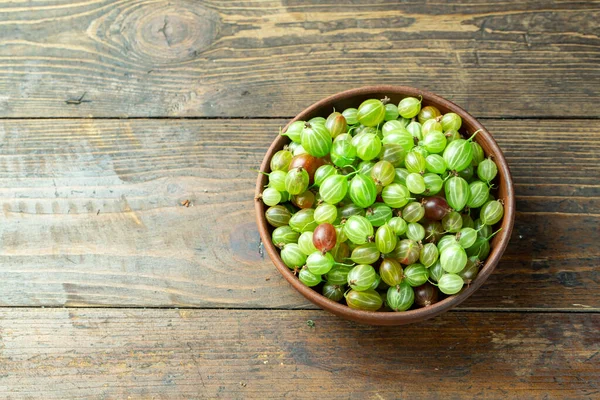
(353, 98)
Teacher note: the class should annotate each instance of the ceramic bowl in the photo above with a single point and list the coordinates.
(505, 191)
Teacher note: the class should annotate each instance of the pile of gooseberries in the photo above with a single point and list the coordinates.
(383, 207)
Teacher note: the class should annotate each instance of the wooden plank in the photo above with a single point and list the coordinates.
(92, 215)
(245, 58)
(184, 354)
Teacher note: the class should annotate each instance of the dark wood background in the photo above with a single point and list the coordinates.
(114, 112)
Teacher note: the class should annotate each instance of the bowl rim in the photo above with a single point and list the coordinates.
(410, 316)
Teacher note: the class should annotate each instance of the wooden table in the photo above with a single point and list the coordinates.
(115, 112)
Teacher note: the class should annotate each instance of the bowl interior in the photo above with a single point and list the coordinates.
(353, 98)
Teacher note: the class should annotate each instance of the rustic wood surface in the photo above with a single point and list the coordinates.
(92, 215)
(148, 299)
(183, 354)
(273, 58)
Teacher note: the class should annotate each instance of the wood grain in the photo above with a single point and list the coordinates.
(151, 58)
(92, 215)
(193, 354)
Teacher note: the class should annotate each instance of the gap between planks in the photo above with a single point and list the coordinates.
(531, 310)
(511, 118)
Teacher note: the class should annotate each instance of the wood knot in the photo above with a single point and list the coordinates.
(171, 33)
(245, 243)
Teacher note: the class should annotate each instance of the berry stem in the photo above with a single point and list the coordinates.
(474, 134)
